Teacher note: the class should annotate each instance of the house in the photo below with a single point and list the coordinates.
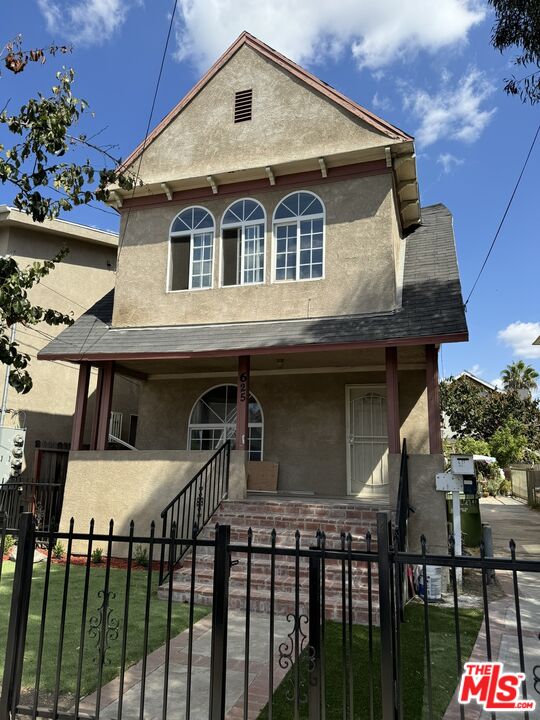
(84, 276)
(484, 386)
(276, 245)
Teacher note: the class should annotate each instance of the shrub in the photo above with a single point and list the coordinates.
(58, 551)
(97, 556)
(9, 542)
(141, 556)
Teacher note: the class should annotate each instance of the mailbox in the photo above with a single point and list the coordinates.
(462, 464)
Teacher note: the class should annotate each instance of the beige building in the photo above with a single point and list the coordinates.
(276, 245)
(84, 276)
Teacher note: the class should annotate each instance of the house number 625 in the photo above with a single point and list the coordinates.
(243, 387)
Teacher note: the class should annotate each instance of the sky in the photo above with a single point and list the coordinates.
(427, 67)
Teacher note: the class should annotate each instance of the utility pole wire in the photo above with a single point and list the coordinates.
(150, 116)
(504, 214)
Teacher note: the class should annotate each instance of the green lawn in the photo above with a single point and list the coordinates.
(70, 655)
(443, 666)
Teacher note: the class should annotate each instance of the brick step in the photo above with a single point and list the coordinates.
(285, 583)
(284, 567)
(284, 602)
(286, 538)
(305, 525)
(298, 508)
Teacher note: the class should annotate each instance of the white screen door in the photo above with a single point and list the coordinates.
(367, 437)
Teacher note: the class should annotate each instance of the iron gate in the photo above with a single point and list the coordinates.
(259, 653)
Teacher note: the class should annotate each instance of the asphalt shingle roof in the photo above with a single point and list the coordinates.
(432, 306)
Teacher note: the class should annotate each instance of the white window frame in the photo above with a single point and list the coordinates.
(223, 427)
(296, 220)
(191, 234)
(243, 225)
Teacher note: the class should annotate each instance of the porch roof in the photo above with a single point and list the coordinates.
(432, 311)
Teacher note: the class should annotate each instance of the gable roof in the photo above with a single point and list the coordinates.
(431, 312)
(300, 73)
(476, 379)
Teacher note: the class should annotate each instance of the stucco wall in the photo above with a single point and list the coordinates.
(290, 121)
(129, 485)
(429, 517)
(304, 421)
(85, 275)
(360, 264)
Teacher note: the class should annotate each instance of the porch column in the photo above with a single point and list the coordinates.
(104, 408)
(79, 417)
(242, 404)
(97, 403)
(434, 405)
(392, 400)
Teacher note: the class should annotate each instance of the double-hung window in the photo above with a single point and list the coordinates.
(299, 237)
(243, 227)
(191, 250)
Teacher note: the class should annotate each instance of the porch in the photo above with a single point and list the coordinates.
(318, 426)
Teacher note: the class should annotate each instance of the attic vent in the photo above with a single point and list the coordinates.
(243, 102)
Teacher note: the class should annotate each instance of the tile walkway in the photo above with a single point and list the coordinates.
(511, 518)
(200, 683)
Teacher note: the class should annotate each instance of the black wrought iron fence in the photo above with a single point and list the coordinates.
(44, 500)
(303, 631)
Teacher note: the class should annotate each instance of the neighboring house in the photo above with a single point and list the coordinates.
(277, 243)
(86, 273)
(485, 389)
(482, 385)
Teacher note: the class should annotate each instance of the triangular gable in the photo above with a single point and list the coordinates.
(300, 73)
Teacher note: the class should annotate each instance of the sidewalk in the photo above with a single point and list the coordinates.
(511, 519)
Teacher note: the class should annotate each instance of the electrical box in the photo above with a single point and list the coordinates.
(11, 452)
(470, 485)
(462, 464)
(447, 482)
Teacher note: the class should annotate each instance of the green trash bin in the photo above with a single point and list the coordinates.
(471, 523)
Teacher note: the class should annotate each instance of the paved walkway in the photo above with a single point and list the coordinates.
(200, 681)
(511, 519)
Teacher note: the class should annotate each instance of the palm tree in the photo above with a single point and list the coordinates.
(519, 376)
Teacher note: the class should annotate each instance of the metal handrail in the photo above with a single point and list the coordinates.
(188, 513)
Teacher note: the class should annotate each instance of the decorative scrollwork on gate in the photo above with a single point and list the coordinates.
(306, 658)
(104, 628)
(536, 675)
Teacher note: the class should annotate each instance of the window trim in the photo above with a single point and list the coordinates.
(190, 233)
(243, 224)
(297, 219)
(196, 426)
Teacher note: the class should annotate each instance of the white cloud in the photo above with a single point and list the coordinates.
(498, 383)
(448, 162)
(86, 22)
(381, 102)
(520, 337)
(375, 33)
(453, 112)
(476, 370)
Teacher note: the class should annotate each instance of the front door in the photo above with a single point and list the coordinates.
(367, 437)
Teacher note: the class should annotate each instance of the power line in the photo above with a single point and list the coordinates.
(504, 214)
(84, 307)
(148, 124)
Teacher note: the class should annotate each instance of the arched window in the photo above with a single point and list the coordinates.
(299, 237)
(213, 420)
(243, 228)
(191, 250)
